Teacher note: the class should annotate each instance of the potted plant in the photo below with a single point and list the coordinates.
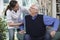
(2, 29)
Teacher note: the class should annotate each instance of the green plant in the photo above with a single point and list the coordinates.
(3, 25)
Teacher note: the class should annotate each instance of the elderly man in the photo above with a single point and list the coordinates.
(36, 24)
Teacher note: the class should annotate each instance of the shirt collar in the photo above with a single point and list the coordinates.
(34, 16)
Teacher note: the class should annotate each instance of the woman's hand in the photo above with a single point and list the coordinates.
(22, 32)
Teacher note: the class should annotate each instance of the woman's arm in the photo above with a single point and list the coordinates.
(14, 24)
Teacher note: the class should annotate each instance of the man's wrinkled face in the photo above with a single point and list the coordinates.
(34, 9)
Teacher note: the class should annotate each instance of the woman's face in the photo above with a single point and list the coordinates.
(16, 7)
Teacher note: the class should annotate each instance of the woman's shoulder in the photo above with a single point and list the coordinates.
(8, 12)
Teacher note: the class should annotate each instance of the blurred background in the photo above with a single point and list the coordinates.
(47, 7)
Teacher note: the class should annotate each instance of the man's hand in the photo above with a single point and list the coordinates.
(52, 33)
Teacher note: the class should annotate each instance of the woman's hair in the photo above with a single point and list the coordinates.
(11, 5)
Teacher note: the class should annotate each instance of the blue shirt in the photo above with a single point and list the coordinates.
(48, 21)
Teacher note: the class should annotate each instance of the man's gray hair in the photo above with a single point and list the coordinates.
(36, 6)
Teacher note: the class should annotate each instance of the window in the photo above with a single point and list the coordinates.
(58, 5)
(6, 1)
(25, 2)
(58, 1)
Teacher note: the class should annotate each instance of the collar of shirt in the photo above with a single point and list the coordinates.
(34, 17)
